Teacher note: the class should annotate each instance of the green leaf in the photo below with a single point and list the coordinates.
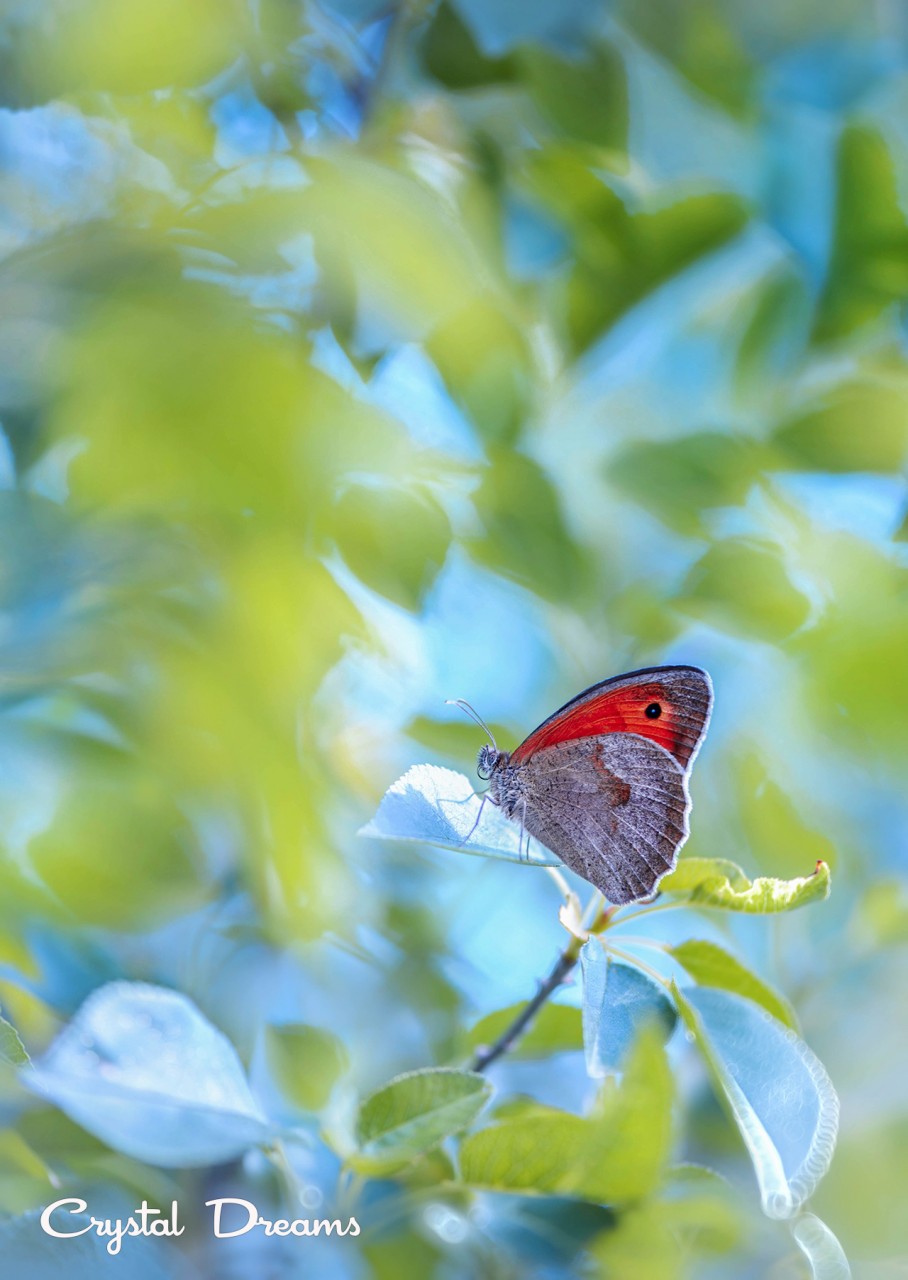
(305, 1061)
(830, 433)
(741, 586)
(615, 1155)
(555, 1029)
(868, 269)
(713, 966)
(716, 882)
(680, 480)
(525, 534)
(12, 1050)
(394, 540)
(584, 97)
(414, 1113)
(775, 1089)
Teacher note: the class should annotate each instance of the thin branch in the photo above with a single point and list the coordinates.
(559, 971)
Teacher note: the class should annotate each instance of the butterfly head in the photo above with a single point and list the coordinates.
(490, 761)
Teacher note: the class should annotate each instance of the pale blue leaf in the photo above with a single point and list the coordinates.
(144, 1071)
(821, 1249)
(776, 1088)
(439, 807)
(617, 1000)
(27, 1251)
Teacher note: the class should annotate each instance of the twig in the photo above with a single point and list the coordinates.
(549, 985)
(559, 971)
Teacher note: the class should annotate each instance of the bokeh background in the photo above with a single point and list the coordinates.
(356, 356)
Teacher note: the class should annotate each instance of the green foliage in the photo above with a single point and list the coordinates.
(12, 1050)
(614, 1155)
(713, 966)
(716, 882)
(414, 1113)
(306, 1062)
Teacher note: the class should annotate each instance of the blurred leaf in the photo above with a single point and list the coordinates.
(584, 97)
(702, 39)
(525, 533)
(147, 44)
(681, 480)
(28, 1250)
(614, 1156)
(712, 966)
(12, 1050)
(459, 738)
(775, 333)
(555, 1029)
(821, 1249)
(779, 838)
(694, 1216)
(776, 1090)
(482, 353)
(833, 434)
(740, 585)
(618, 1000)
(119, 852)
(394, 540)
(438, 806)
(884, 912)
(414, 1113)
(621, 253)
(868, 264)
(306, 1062)
(453, 57)
(141, 1068)
(715, 882)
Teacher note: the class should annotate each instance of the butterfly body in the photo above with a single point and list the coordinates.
(603, 781)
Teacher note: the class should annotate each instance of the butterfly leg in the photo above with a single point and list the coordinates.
(476, 823)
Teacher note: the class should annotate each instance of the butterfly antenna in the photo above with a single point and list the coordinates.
(465, 707)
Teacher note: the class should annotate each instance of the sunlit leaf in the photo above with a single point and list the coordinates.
(715, 882)
(618, 1000)
(775, 1088)
(555, 1029)
(439, 807)
(12, 1050)
(830, 433)
(414, 1113)
(712, 966)
(306, 1062)
(142, 1069)
(613, 1156)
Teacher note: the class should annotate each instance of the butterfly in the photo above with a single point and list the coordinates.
(602, 782)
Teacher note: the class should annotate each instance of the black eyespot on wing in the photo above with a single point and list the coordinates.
(653, 711)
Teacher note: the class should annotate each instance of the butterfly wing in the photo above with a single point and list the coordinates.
(683, 696)
(604, 779)
(614, 809)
